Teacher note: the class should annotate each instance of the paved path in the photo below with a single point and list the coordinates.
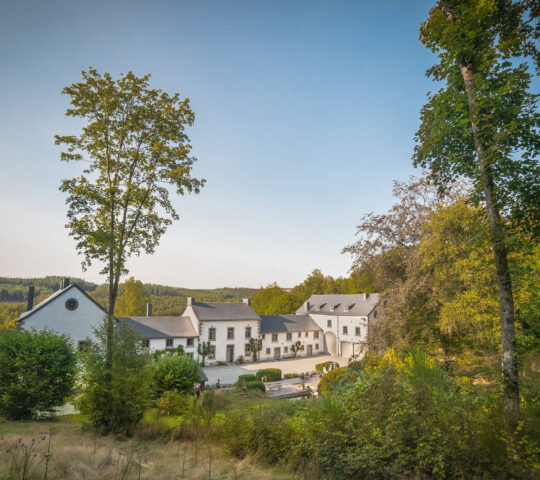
(228, 374)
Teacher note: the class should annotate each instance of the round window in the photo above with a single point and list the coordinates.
(72, 304)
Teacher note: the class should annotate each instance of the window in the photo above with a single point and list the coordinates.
(248, 332)
(190, 342)
(247, 350)
(146, 343)
(212, 333)
(263, 336)
(357, 331)
(299, 334)
(169, 342)
(82, 345)
(71, 304)
(307, 334)
(285, 349)
(345, 330)
(274, 337)
(316, 346)
(374, 313)
(212, 352)
(267, 351)
(329, 323)
(315, 334)
(230, 333)
(289, 336)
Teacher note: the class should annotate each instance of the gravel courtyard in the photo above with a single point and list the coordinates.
(228, 374)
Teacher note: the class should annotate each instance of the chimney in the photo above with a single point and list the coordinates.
(366, 295)
(190, 301)
(306, 306)
(65, 283)
(148, 309)
(30, 298)
(247, 301)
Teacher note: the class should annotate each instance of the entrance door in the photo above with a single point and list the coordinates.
(310, 350)
(230, 353)
(277, 353)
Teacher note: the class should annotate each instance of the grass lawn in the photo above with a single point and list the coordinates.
(76, 452)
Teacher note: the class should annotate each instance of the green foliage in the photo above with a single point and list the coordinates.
(256, 385)
(8, 316)
(290, 375)
(120, 408)
(37, 372)
(330, 380)
(321, 366)
(203, 349)
(247, 377)
(255, 345)
(401, 417)
(296, 347)
(175, 373)
(269, 374)
(133, 300)
(173, 403)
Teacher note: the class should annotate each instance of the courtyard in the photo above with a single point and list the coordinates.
(228, 374)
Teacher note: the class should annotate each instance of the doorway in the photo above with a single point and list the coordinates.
(277, 353)
(309, 350)
(230, 353)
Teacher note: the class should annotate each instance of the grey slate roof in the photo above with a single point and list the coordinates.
(162, 327)
(357, 304)
(50, 298)
(224, 311)
(287, 323)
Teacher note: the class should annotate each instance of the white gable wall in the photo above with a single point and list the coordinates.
(78, 324)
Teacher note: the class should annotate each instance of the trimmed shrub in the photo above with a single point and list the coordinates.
(37, 372)
(290, 375)
(330, 380)
(320, 366)
(269, 374)
(256, 385)
(248, 377)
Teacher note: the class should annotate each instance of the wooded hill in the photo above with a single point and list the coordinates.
(165, 300)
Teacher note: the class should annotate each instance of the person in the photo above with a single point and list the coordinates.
(218, 385)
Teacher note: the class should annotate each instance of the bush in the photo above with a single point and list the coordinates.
(172, 403)
(256, 385)
(321, 366)
(290, 375)
(248, 377)
(120, 408)
(37, 372)
(269, 374)
(175, 373)
(330, 380)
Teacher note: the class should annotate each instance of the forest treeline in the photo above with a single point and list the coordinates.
(165, 300)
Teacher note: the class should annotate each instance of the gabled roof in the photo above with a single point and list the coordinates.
(287, 323)
(55, 295)
(162, 327)
(224, 311)
(357, 304)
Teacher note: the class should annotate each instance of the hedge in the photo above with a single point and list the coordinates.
(256, 385)
(320, 366)
(248, 377)
(290, 375)
(269, 374)
(330, 380)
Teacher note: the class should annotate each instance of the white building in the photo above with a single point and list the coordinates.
(335, 324)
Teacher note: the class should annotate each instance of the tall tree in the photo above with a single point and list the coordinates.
(133, 300)
(135, 152)
(483, 125)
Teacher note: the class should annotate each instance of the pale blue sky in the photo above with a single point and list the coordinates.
(305, 114)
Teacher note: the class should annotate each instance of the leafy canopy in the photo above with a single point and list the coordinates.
(135, 151)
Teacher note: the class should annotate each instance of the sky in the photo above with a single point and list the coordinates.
(305, 115)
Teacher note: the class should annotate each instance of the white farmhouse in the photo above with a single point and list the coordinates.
(344, 319)
(334, 324)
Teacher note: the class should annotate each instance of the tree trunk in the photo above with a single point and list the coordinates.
(506, 300)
